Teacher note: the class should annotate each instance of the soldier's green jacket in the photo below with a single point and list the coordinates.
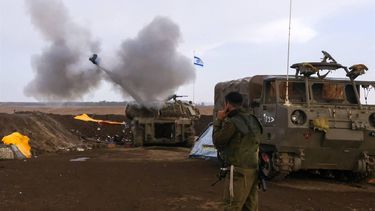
(238, 137)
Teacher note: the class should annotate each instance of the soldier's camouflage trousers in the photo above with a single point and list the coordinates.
(245, 190)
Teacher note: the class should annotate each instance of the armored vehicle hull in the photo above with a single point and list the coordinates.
(173, 123)
(318, 124)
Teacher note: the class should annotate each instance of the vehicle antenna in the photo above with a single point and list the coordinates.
(288, 56)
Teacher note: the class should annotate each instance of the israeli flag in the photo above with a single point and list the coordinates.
(198, 61)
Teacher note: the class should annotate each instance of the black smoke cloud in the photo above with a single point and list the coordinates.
(61, 70)
(150, 64)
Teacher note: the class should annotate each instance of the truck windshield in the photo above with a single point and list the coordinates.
(296, 92)
(324, 92)
(333, 93)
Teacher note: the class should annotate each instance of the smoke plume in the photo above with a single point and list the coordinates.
(150, 65)
(62, 71)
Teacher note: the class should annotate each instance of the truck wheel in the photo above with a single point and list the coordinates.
(275, 168)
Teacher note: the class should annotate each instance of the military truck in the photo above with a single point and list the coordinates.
(172, 123)
(311, 122)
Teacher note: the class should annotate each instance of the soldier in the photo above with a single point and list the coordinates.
(237, 135)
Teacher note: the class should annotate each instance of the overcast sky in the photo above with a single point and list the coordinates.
(235, 39)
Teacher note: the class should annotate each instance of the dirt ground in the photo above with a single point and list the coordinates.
(122, 178)
(154, 178)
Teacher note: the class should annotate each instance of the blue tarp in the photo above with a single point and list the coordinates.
(204, 147)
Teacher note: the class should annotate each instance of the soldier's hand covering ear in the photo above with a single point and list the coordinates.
(223, 113)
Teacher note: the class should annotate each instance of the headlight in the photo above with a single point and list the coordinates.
(298, 117)
(372, 119)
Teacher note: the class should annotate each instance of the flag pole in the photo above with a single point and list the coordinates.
(194, 92)
(194, 79)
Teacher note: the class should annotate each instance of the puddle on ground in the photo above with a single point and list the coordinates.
(80, 159)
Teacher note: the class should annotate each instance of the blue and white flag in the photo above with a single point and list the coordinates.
(198, 61)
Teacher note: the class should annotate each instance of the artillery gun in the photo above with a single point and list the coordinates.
(311, 123)
(169, 123)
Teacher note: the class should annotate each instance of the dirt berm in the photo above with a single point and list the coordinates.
(54, 132)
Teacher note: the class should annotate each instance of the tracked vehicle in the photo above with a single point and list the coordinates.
(311, 122)
(173, 123)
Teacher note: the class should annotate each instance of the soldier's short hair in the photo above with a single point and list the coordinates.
(234, 98)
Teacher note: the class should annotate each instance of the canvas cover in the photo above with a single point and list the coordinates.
(333, 91)
(204, 147)
(250, 88)
(21, 143)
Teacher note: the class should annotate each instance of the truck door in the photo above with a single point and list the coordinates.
(267, 109)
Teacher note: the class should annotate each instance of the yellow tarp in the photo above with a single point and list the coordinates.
(321, 124)
(21, 142)
(86, 118)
